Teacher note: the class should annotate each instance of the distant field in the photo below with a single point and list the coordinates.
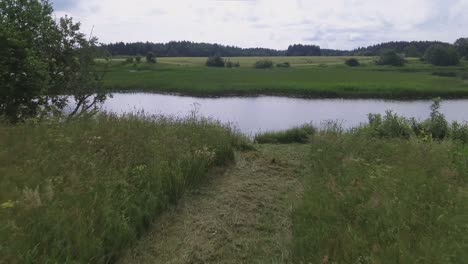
(307, 77)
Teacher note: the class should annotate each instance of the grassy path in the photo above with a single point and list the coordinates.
(242, 215)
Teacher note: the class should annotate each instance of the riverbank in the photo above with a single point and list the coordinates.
(309, 77)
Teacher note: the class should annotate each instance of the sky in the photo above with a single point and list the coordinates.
(336, 24)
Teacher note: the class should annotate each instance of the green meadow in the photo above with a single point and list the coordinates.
(318, 77)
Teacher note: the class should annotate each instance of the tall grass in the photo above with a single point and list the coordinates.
(371, 200)
(393, 191)
(83, 190)
(300, 134)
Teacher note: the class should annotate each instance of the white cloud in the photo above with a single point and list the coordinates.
(271, 23)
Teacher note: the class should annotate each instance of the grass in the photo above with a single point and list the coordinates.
(382, 200)
(307, 77)
(82, 191)
(300, 134)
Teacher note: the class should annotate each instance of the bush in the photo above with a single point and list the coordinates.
(294, 135)
(283, 65)
(150, 57)
(215, 61)
(138, 59)
(390, 126)
(442, 55)
(352, 62)
(230, 64)
(391, 58)
(263, 64)
(129, 60)
(82, 191)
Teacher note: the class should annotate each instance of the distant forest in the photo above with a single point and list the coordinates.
(193, 49)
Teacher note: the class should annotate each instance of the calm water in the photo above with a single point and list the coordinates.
(268, 113)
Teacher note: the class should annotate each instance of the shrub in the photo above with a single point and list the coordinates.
(129, 60)
(263, 64)
(150, 57)
(391, 58)
(352, 62)
(293, 135)
(215, 61)
(138, 59)
(442, 55)
(390, 126)
(283, 65)
(230, 64)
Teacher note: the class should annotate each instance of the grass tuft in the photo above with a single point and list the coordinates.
(300, 134)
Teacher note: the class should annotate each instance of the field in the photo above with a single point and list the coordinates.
(83, 191)
(158, 190)
(307, 77)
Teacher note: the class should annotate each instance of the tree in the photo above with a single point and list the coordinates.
(352, 62)
(462, 46)
(303, 50)
(215, 61)
(442, 55)
(412, 51)
(263, 64)
(138, 58)
(150, 57)
(41, 60)
(391, 58)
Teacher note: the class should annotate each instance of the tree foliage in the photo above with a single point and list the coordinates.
(352, 62)
(462, 47)
(442, 55)
(41, 60)
(150, 57)
(263, 64)
(391, 58)
(303, 50)
(215, 61)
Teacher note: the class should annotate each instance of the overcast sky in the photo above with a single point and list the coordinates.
(342, 24)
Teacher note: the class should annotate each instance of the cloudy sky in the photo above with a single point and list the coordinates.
(342, 24)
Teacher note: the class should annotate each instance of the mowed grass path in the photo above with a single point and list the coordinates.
(308, 77)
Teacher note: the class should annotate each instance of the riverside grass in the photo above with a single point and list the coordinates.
(81, 191)
(321, 77)
(382, 200)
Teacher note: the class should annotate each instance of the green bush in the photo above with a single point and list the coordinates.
(129, 60)
(215, 61)
(150, 57)
(263, 64)
(442, 55)
(138, 59)
(352, 62)
(283, 65)
(391, 58)
(82, 191)
(390, 126)
(300, 134)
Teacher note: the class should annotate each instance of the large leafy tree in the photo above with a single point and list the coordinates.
(462, 46)
(442, 55)
(43, 62)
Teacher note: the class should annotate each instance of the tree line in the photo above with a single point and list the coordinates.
(193, 49)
